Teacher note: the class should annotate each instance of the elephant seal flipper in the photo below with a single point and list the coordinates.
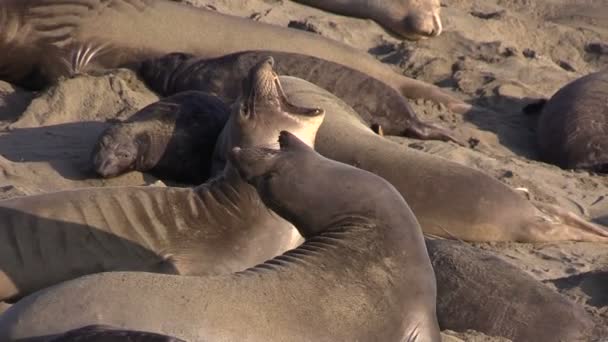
(573, 125)
(359, 233)
(374, 100)
(411, 19)
(123, 32)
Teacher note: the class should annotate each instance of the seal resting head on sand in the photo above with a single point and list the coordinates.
(573, 125)
(411, 19)
(172, 139)
(360, 235)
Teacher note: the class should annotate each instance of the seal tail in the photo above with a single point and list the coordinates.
(558, 224)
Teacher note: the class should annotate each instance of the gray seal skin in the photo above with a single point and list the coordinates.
(573, 125)
(450, 200)
(375, 101)
(477, 290)
(363, 273)
(410, 19)
(172, 139)
(221, 226)
(46, 39)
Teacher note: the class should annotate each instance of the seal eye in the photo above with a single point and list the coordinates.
(122, 155)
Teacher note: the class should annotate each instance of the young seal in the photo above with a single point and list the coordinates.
(410, 19)
(479, 291)
(375, 101)
(363, 273)
(45, 39)
(221, 226)
(450, 200)
(573, 125)
(172, 139)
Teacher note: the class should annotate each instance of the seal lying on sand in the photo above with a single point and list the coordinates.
(450, 200)
(573, 126)
(364, 259)
(45, 39)
(213, 228)
(479, 291)
(171, 139)
(375, 101)
(411, 19)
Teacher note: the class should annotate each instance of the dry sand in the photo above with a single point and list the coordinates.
(498, 54)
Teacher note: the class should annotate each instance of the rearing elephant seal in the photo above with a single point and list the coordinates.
(172, 139)
(219, 227)
(573, 126)
(411, 19)
(450, 200)
(375, 101)
(363, 273)
(44, 39)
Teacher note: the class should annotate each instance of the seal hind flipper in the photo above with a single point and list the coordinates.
(567, 223)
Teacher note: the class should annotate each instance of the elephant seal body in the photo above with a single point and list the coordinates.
(211, 229)
(573, 126)
(360, 234)
(479, 291)
(411, 19)
(375, 101)
(172, 139)
(45, 39)
(449, 200)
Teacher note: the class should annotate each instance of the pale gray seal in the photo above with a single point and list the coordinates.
(363, 273)
(573, 125)
(376, 102)
(211, 229)
(45, 39)
(411, 19)
(450, 200)
(171, 139)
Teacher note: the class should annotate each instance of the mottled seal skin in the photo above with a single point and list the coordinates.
(573, 125)
(219, 227)
(410, 19)
(374, 100)
(450, 200)
(46, 39)
(479, 291)
(101, 333)
(172, 139)
(364, 260)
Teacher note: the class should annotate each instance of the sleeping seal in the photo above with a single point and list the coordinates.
(364, 260)
(450, 200)
(171, 139)
(375, 101)
(45, 39)
(573, 125)
(411, 19)
(221, 226)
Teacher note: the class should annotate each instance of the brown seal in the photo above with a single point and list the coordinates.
(411, 19)
(171, 139)
(374, 100)
(364, 259)
(573, 125)
(45, 39)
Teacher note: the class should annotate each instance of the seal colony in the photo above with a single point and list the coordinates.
(375, 242)
(46, 40)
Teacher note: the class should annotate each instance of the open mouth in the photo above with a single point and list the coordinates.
(264, 89)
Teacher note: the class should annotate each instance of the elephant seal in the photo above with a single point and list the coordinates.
(573, 125)
(101, 333)
(450, 200)
(221, 226)
(46, 39)
(364, 258)
(375, 101)
(479, 291)
(410, 19)
(172, 139)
